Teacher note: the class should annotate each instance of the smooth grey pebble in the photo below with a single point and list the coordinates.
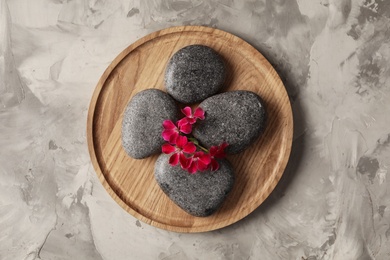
(194, 73)
(142, 122)
(235, 117)
(199, 194)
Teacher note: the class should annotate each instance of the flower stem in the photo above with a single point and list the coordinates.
(196, 142)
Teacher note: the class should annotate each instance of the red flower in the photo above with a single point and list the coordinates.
(199, 161)
(182, 146)
(191, 118)
(171, 131)
(214, 165)
(184, 128)
(217, 152)
(184, 151)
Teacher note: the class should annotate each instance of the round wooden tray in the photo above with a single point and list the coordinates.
(131, 182)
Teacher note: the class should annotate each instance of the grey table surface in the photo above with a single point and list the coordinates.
(333, 201)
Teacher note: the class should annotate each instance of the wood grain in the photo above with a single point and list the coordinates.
(131, 182)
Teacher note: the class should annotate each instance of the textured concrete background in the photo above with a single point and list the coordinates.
(334, 199)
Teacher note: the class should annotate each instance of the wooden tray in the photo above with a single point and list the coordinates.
(131, 182)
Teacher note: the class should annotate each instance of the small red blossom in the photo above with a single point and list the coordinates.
(217, 152)
(199, 161)
(182, 147)
(184, 150)
(191, 117)
(171, 132)
(184, 127)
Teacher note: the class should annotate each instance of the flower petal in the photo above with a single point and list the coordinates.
(168, 124)
(186, 129)
(189, 148)
(204, 158)
(166, 134)
(181, 141)
(184, 161)
(183, 121)
(192, 168)
(214, 165)
(187, 111)
(213, 150)
(201, 166)
(223, 146)
(167, 148)
(173, 138)
(174, 159)
(220, 153)
(199, 113)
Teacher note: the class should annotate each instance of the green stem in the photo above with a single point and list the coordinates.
(203, 148)
(196, 142)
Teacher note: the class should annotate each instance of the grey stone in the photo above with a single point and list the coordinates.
(142, 122)
(194, 73)
(236, 117)
(199, 194)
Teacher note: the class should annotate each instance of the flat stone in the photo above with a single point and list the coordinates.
(194, 73)
(142, 122)
(235, 117)
(199, 194)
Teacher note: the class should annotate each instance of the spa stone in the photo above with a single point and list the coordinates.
(142, 122)
(194, 73)
(235, 117)
(199, 194)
